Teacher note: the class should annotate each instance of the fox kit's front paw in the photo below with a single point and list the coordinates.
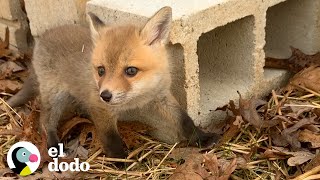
(208, 139)
(113, 146)
(52, 139)
(115, 153)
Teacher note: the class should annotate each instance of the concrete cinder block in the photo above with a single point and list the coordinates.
(219, 45)
(13, 17)
(10, 9)
(46, 14)
(17, 35)
(293, 23)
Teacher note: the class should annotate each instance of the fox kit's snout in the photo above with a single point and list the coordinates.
(106, 75)
(106, 95)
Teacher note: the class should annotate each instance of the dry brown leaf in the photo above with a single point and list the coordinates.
(238, 122)
(277, 139)
(6, 172)
(183, 152)
(212, 168)
(270, 153)
(232, 132)
(4, 45)
(30, 128)
(88, 134)
(5, 53)
(232, 128)
(12, 66)
(295, 63)
(218, 171)
(10, 86)
(315, 162)
(317, 112)
(226, 173)
(211, 162)
(292, 139)
(43, 148)
(309, 136)
(233, 109)
(46, 174)
(299, 110)
(249, 113)
(307, 78)
(5, 73)
(68, 125)
(8, 68)
(298, 157)
(191, 169)
(30, 133)
(129, 131)
(291, 134)
(76, 150)
(313, 128)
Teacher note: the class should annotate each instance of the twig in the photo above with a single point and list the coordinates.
(94, 155)
(274, 96)
(302, 105)
(307, 96)
(308, 90)
(308, 173)
(162, 160)
(236, 150)
(115, 159)
(136, 151)
(141, 158)
(10, 115)
(312, 177)
(237, 146)
(130, 173)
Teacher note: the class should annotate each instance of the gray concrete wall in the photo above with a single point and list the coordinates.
(46, 14)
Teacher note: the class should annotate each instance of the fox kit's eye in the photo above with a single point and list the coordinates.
(131, 71)
(101, 71)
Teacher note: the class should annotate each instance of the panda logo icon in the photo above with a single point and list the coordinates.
(23, 158)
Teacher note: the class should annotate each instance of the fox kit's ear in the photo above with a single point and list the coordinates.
(158, 27)
(95, 26)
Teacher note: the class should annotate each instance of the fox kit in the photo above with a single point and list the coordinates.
(110, 72)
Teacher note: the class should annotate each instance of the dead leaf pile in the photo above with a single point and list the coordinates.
(12, 67)
(199, 166)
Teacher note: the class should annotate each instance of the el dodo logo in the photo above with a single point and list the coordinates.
(23, 158)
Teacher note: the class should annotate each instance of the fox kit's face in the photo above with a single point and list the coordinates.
(130, 65)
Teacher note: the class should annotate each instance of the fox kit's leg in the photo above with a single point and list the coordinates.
(28, 92)
(173, 124)
(52, 110)
(106, 128)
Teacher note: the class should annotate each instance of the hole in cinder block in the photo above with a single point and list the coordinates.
(225, 63)
(175, 52)
(291, 23)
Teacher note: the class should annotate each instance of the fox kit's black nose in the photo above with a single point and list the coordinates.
(106, 96)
